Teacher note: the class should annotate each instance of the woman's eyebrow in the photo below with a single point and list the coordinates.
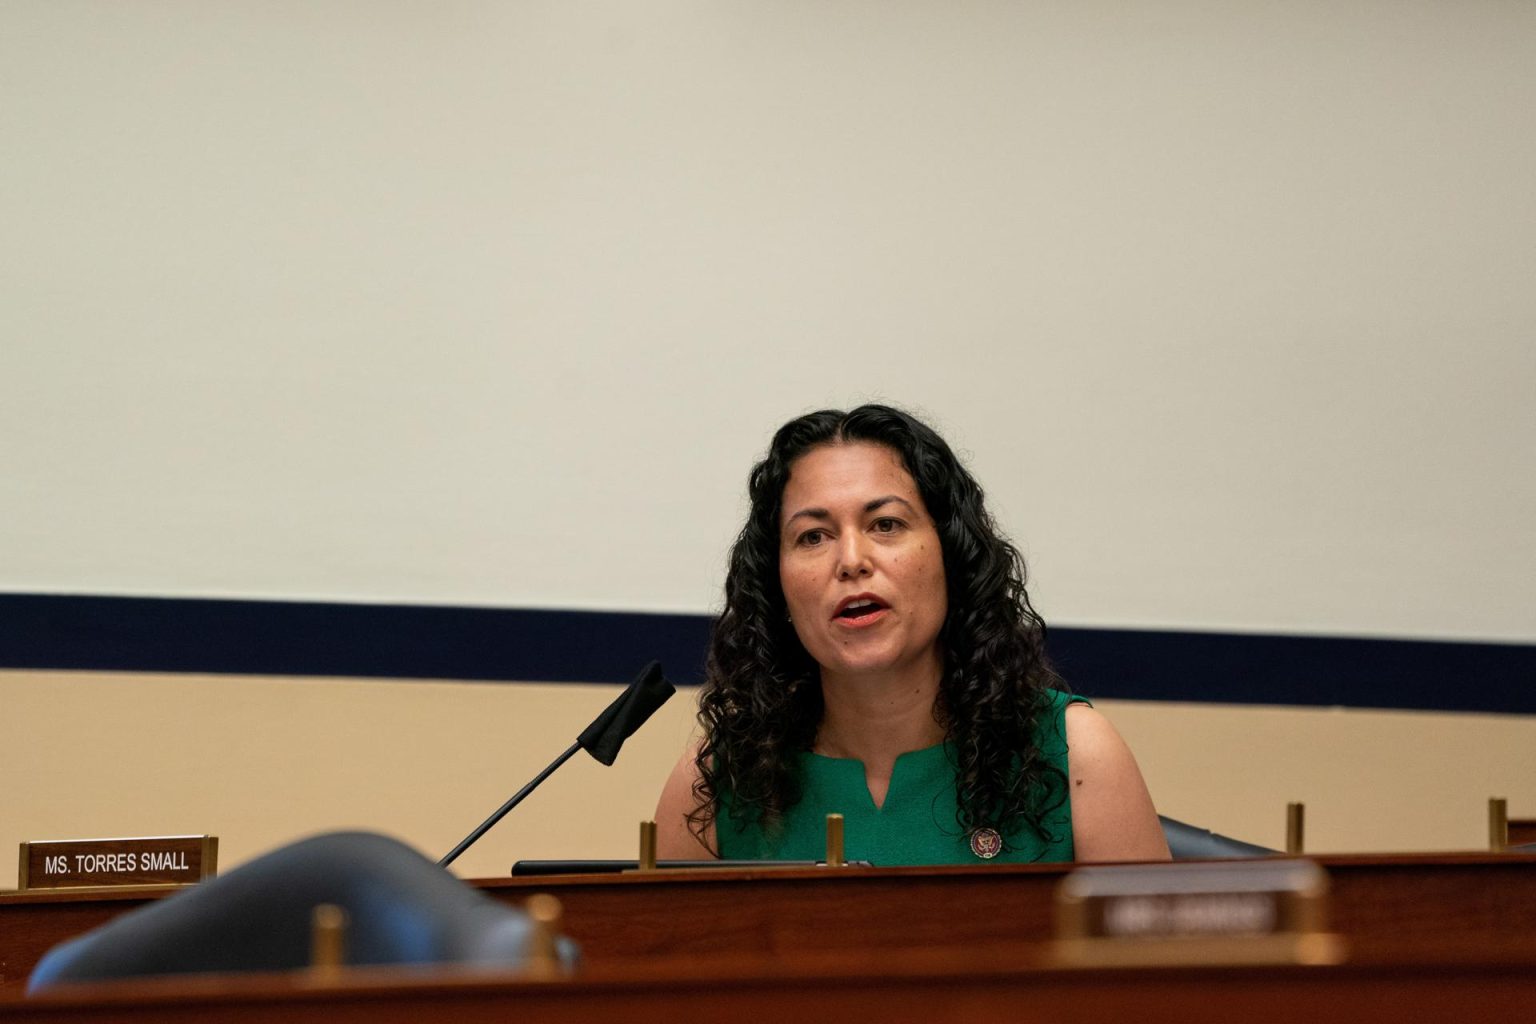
(888, 499)
(869, 506)
(809, 513)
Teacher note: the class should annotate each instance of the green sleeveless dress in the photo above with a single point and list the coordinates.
(917, 823)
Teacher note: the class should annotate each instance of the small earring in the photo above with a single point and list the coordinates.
(788, 617)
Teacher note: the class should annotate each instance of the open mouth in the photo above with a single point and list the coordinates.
(860, 609)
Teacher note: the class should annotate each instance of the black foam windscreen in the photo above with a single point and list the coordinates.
(607, 733)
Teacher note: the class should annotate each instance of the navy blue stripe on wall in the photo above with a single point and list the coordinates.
(323, 639)
(136, 634)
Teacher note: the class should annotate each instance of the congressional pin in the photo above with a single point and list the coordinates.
(986, 843)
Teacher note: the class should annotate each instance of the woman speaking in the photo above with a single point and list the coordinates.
(878, 657)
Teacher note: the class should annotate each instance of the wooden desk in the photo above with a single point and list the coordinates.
(903, 985)
(1475, 903)
(1476, 900)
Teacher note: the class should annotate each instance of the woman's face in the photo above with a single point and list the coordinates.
(860, 562)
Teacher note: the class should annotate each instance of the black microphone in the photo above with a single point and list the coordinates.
(602, 739)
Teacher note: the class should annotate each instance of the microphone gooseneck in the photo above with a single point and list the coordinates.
(602, 739)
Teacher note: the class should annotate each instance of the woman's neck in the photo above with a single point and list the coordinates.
(876, 718)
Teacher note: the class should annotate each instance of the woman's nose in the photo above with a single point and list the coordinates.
(853, 558)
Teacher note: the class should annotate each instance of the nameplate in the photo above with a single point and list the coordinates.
(1249, 911)
(117, 863)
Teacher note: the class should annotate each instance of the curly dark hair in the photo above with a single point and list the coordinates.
(761, 703)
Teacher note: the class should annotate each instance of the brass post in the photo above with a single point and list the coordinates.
(327, 939)
(544, 913)
(647, 846)
(835, 841)
(1295, 824)
(1498, 824)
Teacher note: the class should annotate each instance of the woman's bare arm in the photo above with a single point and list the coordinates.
(674, 839)
(1112, 813)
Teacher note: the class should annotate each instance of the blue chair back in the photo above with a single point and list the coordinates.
(402, 909)
(1190, 842)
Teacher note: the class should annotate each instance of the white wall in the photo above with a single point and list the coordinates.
(486, 302)
(1231, 305)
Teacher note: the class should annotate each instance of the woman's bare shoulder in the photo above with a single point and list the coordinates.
(675, 839)
(1112, 813)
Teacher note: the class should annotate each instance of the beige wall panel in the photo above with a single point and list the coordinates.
(1370, 780)
(261, 761)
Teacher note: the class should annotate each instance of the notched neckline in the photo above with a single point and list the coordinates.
(916, 763)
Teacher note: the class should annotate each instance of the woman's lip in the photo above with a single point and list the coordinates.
(874, 599)
(864, 621)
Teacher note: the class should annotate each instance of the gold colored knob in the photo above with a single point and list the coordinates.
(835, 841)
(1498, 824)
(1295, 827)
(647, 846)
(327, 939)
(544, 912)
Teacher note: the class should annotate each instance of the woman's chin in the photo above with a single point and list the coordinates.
(872, 665)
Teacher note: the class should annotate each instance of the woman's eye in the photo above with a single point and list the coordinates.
(811, 538)
(886, 525)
